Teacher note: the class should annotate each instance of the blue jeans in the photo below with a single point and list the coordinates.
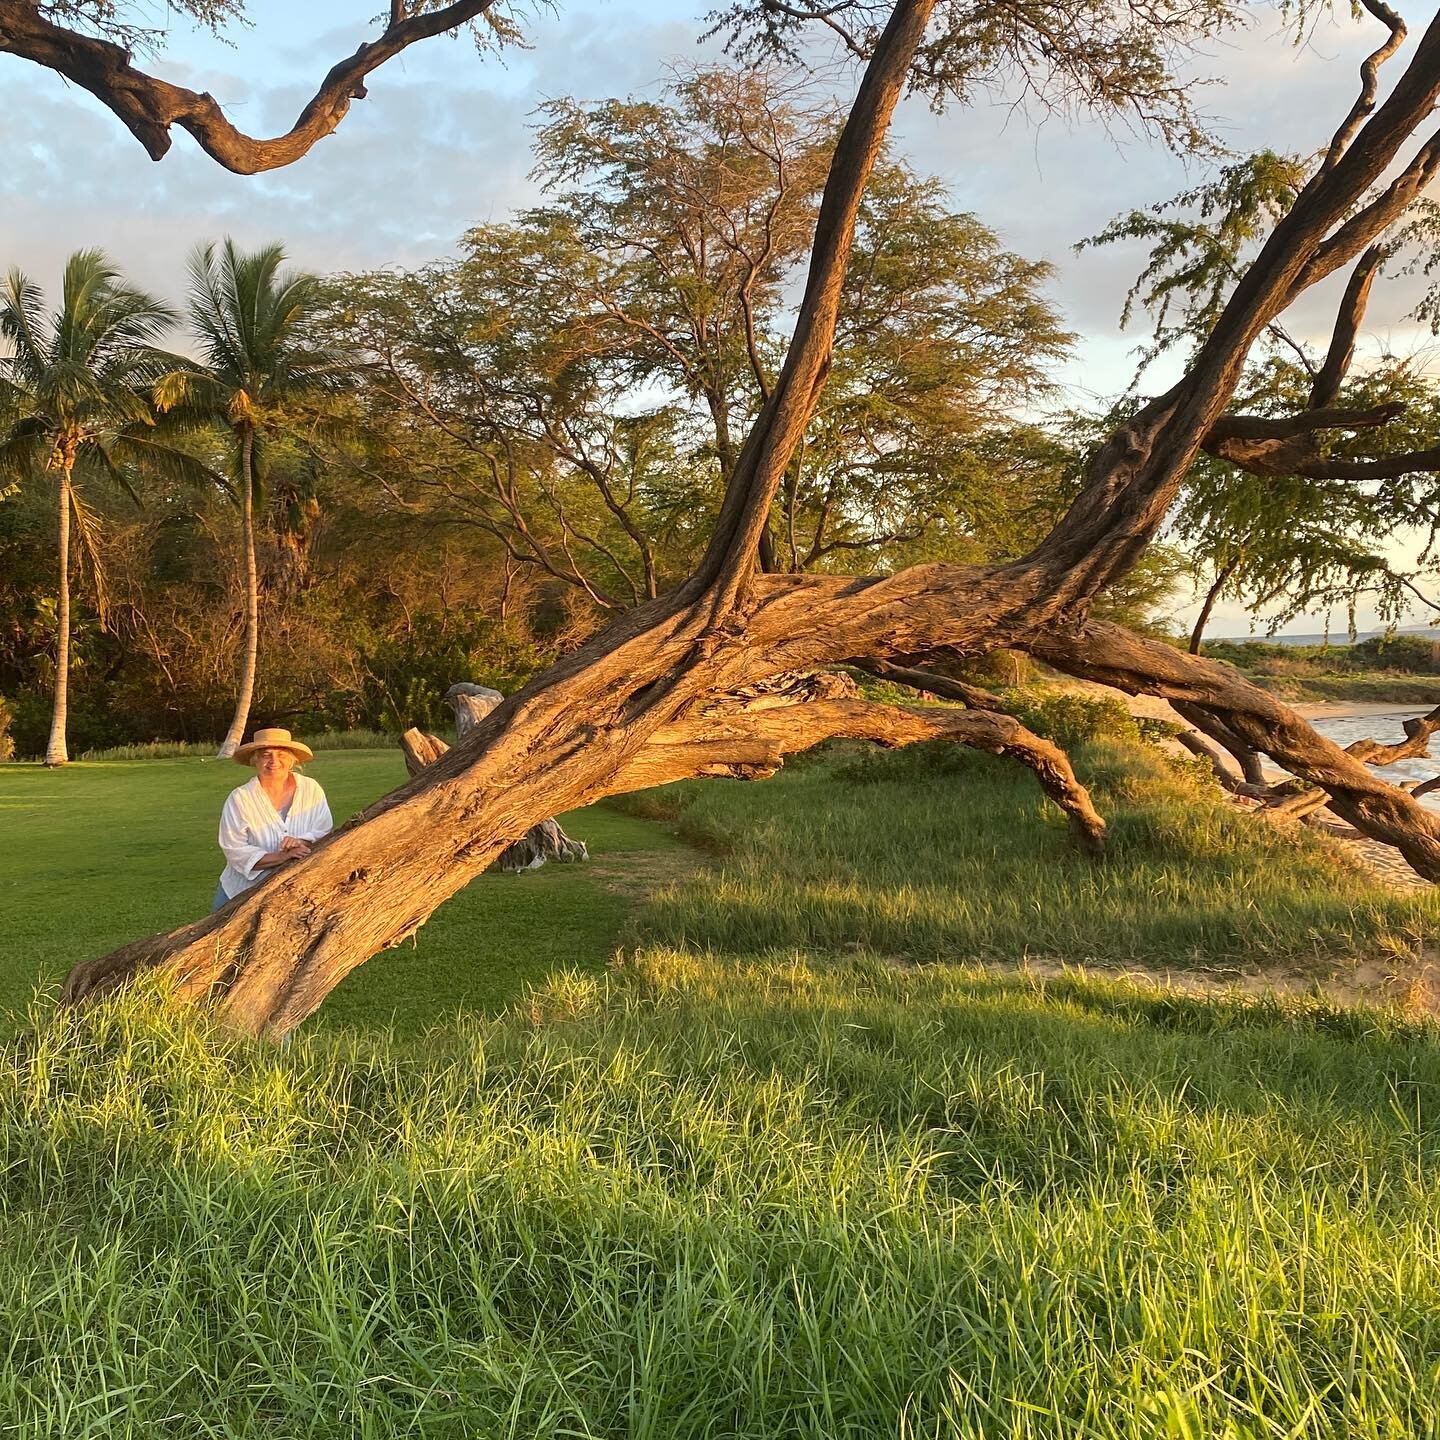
(221, 898)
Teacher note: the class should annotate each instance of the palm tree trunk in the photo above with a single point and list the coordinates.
(241, 719)
(55, 751)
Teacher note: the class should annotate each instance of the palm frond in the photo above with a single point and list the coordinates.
(166, 462)
(23, 449)
(22, 323)
(88, 529)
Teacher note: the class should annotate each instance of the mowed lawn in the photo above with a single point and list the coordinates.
(103, 852)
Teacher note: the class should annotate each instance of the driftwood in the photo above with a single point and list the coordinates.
(542, 842)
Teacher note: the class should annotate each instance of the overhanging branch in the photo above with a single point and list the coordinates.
(149, 106)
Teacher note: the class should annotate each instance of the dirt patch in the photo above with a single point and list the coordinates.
(1406, 984)
(638, 874)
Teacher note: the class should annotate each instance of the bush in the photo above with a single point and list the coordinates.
(1412, 654)
(1071, 718)
(928, 760)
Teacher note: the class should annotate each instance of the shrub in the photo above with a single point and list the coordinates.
(1412, 654)
(926, 761)
(1071, 718)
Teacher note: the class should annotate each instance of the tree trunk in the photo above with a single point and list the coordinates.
(1197, 635)
(542, 842)
(236, 733)
(56, 751)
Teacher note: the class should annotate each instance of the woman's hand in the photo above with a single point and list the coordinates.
(290, 849)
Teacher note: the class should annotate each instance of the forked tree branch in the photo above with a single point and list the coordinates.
(149, 106)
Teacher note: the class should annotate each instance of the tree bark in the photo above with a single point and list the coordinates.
(249, 662)
(56, 750)
(541, 843)
(1197, 634)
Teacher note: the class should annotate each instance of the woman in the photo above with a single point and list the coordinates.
(273, 819)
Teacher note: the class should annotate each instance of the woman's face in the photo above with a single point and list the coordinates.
(274, 764)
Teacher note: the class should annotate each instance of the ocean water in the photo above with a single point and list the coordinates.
(1386, 725)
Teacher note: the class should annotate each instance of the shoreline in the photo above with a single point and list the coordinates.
(1353, 709)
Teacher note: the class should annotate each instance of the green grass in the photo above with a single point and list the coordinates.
(768, 1183)
(100, 853)
(935, 854)
(731, 1198)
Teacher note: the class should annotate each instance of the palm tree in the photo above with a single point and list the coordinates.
(75, 402)
(252, 321)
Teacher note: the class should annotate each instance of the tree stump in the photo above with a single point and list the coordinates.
(542, 842)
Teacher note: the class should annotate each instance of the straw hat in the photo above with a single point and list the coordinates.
(272, 740)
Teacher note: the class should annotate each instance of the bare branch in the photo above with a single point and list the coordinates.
(1326, 384)
(942, 685)
(1369, 80)
(149, 106)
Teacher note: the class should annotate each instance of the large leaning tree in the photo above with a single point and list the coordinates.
(694, 681)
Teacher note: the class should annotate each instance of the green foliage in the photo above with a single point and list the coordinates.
(1071, 717)
(1201, 241)
(254, 325)
(1398, 670)
(913, 764)
(580, 382)
(75, 384)
(410, 672)
(1412, 654)
(1085, 56)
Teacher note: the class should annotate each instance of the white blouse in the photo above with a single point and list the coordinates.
(251, 828)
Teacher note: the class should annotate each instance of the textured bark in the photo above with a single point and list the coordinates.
(149, 106)
(250, 658)
(421, 749)
(685, 684)
(541, 843)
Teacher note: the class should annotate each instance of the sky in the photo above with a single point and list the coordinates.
(442, 143)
